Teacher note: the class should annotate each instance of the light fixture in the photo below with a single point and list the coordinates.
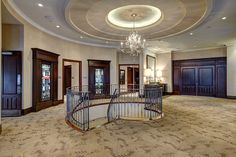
(81, 37)
(159, 76)
(134, 43)
(191, 33)
(159, 73)
(40, 5)
(58, 26)
(224, 18)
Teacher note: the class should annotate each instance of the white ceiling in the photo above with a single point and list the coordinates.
(212, 32)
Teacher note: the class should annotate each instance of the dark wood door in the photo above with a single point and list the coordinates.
(130, 78)
(11, 83)
(176, 80)
(221, 81)
(136, 78)
(188, 80)
(205, 81)
(203, 77)
(67, 77)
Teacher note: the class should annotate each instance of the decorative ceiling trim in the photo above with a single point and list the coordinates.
(113, 36)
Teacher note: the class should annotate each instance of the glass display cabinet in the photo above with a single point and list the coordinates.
(99, 81)
(99, 78)
(45, 79)
(46, 88)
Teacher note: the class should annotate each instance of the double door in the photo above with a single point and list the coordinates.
(198, 81)
(201, 77)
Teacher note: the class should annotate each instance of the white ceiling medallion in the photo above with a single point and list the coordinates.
(121, 16)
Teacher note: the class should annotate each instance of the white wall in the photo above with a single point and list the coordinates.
(13, 37)
(34, 38)
(164, 63)
(209, 53)
(231, 71)
(38, 39)
(127, 59)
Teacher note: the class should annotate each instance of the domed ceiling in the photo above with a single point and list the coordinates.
(167, 25)
(112, 19)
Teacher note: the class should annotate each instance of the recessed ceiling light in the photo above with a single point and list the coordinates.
(224, 18)
(191, 33)
(40, 5)
(58, 26)
(81, 37)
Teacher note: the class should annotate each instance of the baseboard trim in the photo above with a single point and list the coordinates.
(58, 102)
(29, 110)
(0, 129)
(231, 97)
(26, 111)
(168, 93)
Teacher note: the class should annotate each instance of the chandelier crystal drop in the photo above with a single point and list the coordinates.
(134, 43)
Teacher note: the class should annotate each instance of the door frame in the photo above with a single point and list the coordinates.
(22, 82)
(127, 65)
(63, 77)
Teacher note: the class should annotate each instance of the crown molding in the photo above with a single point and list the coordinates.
(200, 49)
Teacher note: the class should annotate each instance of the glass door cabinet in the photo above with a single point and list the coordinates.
(99, 78)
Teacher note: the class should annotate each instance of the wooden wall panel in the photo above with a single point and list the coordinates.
(203, 77)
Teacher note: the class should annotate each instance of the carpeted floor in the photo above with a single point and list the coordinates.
(192, 126)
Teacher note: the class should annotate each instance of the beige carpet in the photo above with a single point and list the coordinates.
(192, 126)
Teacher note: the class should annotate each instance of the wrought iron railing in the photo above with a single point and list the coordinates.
(78, 108)
(119, 103)
(133, 105)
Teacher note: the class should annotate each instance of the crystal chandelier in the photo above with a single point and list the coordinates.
(134, 43)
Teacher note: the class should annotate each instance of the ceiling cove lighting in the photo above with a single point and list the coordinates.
(134, 43)
(40, 5)
(151, 16)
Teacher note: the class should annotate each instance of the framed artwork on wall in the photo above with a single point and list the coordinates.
(151, 64)
(122, 77)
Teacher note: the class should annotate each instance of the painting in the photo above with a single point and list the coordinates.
(151, 64)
